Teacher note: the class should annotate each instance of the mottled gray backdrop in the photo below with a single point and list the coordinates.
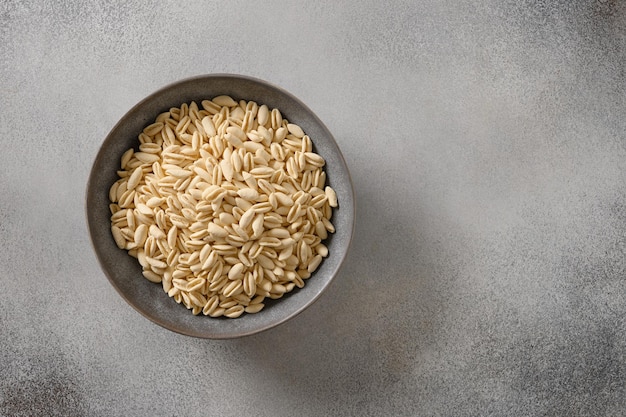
(487, 142)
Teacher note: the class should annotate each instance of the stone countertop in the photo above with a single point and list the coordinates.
(486, 141)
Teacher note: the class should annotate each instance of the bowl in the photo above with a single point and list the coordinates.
(125, 273)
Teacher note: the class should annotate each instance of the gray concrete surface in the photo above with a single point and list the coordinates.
(487, 144)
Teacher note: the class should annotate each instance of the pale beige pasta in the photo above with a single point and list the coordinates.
(224, 204)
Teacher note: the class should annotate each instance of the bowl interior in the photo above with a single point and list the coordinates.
(124, 272)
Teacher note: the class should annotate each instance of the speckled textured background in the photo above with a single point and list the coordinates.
(487, 144)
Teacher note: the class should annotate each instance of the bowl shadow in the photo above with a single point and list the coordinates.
(372, 326)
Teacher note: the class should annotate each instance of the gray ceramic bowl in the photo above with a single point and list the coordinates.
(124, 272)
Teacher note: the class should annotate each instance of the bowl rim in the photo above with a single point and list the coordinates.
(282, 319)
